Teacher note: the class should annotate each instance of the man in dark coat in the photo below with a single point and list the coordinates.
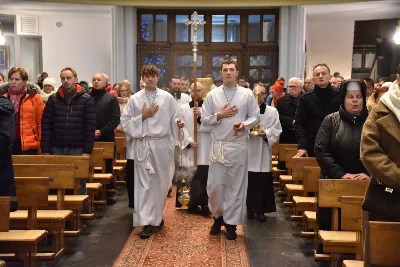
(7, 128)
(286, 107)
(384, 55)
(312, 108)
(107, 118)
(69, 121)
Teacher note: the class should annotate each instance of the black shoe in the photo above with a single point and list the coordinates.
(205, 211)
(169, 193)
(216, 228)
(148, 230)
(250, 215)
(261, 217)
(230, 231)
(193, 209)
(161, 224)
(111, 201)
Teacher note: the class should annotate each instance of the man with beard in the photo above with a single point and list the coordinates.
(175, 85)
(312, 108)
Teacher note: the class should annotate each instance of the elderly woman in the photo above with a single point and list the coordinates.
(28, 106)
(380, 153)
(337, 145)
(49, 88)
(373, 100)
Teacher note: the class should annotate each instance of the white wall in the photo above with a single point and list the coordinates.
(84, 41)
(330, 42)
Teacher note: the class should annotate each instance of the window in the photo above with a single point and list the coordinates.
(225, 28)
(181, 29)
(260, 69)
(185, 66)
(233, 31)
(161, 27)
(265, 31)
(218, 28)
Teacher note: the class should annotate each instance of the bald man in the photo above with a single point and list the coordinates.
(308, 84)
(107, 117)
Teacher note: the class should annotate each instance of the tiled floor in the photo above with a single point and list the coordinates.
(277, 242)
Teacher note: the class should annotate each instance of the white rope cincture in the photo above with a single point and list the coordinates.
(145, 145)
(220, 157)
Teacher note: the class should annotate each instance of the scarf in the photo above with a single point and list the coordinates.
(16, 97)
(391, 99)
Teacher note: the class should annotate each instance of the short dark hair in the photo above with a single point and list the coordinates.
(230, 61)
(322, 65)
(71, 70)
(378, 36)
(384, 79)
(175, 77)
(336, 74)
(149, 70)
(21, 71)
(280, 78)
(184, 78)
(242, 78)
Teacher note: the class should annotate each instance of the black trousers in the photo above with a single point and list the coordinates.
(130, 181)
(260, 193)
(17, 149)
(384, 68)
(198, 187)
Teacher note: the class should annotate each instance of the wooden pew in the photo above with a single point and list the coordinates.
(281, 155)
(32, 192)
(21, 242)
(81, 164)
(63, 177)
(292, 184)
(384, 245)
(107, 154)
(283, 178)
(338, 242)
(97, 160)
(120, 160)
(310, 186)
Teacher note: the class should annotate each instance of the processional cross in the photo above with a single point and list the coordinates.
(195, 22)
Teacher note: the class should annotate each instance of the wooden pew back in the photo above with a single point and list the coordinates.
(32, 192)
(384, 245)
(120, 146)
(275, 149)
(330, 191)
(299, 163)
(310, 178)
(62, 175)
(282, 150)
(288, 158)
(351, 212)
(97, 160)
(4, 214)
(108, 149)
(81, 162)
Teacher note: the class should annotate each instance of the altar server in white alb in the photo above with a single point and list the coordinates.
(260, 191)
(232, 111)
(150, 118)
(198, 186)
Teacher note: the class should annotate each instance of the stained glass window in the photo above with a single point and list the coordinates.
(146, 26)
(260, 60)
(159, 61)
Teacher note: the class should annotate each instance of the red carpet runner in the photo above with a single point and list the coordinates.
(184, 241)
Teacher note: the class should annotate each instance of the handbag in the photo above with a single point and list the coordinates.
(382, 201)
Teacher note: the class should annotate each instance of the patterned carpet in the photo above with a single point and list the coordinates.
(184, 241)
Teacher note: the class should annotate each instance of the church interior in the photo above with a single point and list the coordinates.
(269, 41)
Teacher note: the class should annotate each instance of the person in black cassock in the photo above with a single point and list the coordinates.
(7, 128)
(384, 55)
(260, 190)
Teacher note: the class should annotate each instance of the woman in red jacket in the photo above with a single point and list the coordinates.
(28, 106)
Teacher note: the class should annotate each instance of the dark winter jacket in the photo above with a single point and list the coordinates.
(107, 114)
(311, 110)
(286, 107)
(71, 126)
(7, 127)
(337, 146)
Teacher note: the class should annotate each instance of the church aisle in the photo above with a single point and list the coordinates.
(104, 239)
(277, 241)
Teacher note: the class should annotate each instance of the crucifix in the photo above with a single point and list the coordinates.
(195, 22)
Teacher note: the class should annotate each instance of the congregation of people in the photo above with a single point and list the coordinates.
(350, 126)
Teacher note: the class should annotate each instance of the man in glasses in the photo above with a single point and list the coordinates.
(312, 109)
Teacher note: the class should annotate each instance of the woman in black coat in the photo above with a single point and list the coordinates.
(337, 145)
(7, 183)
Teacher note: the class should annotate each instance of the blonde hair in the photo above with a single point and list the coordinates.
(120, 85)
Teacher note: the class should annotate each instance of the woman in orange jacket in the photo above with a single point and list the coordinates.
(28, 106)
